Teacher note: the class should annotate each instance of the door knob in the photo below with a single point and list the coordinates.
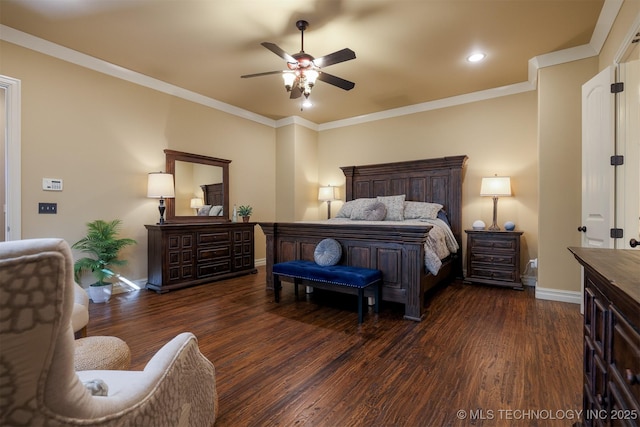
(583, 228)
(633, 243)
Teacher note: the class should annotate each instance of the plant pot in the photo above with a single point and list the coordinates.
(245, 218)
(100, 294)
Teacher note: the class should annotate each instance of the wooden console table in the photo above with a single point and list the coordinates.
(181, 255)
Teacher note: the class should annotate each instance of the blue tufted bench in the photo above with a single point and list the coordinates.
(340, 278)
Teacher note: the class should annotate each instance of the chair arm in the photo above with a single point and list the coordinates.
(177, 387)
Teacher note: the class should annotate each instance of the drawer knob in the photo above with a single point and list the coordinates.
(633, 243)
(631, 377)
(583, 228)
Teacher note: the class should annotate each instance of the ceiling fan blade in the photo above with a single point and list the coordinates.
(296, 92)
(335, 58)
(266, 73)
(336, 81)
(278, 51)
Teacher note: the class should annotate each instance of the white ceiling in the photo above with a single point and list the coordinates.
(408, 51)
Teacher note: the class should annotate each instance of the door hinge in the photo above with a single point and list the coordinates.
(616, 233)
(617, 87)
(617, 160)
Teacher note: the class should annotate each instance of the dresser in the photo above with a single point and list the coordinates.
(493, 258)
(181, 255)
(611, 369)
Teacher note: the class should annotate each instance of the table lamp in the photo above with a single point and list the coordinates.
(327, 194)
(160, 185)
(496, 186)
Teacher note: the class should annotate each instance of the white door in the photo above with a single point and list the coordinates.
(598, 145)
(628, 145)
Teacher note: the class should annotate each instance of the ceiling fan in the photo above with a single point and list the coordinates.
(303, 69)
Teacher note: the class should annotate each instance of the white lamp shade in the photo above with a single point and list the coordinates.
(496, 186)
(327, 194)
(196, 203)
(160, 184)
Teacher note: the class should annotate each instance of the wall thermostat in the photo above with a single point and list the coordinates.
(51, 184)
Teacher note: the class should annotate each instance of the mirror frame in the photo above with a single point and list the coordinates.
(171, 157)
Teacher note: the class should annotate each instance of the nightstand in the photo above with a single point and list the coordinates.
(493, 258)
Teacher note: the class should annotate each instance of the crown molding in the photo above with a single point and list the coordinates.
(606, 19)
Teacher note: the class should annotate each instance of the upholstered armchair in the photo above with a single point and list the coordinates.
(39, 385)
(80, 313)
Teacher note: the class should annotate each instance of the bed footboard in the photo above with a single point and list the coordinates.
(397, 251)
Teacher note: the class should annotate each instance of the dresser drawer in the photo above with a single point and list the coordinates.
(213, 238)
(213, 269)
(625, 357)
(211, 253)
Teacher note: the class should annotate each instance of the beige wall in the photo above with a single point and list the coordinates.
(102, 136)
(498, 135)
(560, 145)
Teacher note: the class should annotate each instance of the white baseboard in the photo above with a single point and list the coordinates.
(260, 262)
(573, 297)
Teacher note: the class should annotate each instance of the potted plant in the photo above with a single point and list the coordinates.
(245, 212)
(102, 244)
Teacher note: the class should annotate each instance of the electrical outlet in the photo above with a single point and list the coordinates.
(47, 208)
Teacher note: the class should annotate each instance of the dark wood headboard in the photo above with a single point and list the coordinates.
(430, 180)
(213, 194)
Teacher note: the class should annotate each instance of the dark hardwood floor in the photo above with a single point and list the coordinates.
(499, 355)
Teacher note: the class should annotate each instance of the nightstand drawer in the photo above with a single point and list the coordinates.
(507, 244)
(495, 258)
(492, 274)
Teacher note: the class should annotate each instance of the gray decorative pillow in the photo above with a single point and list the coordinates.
(374, 212)
(421, 210)
(204, 211)
(327, 252)
(395, 207)
(345, 210)
(359, 207)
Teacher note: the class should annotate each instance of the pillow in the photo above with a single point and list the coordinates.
(327, 252)
(215, 210)
(359, 205)
(395, 207)
(345, 210)
(418, 210)
(204, 211)
(442, 215)
(376, 211)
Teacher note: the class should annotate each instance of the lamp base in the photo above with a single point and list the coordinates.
(161, 208)
(494, 226)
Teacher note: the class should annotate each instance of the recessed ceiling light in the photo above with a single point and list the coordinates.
(307, 104)
(476, 57)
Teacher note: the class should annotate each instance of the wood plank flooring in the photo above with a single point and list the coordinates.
(499, 355)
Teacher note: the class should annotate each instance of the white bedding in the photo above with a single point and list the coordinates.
(440, 241)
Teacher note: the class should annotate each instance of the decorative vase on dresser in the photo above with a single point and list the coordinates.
(187, 254)
(493, 258)
(611, 368)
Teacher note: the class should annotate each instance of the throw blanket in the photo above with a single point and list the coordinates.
(440, 241)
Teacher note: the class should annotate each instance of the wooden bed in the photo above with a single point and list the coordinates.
(398, 251)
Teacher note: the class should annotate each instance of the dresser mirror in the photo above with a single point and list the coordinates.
(201, 188)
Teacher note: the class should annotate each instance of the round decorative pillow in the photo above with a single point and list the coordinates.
(375, 212)
(327, 252)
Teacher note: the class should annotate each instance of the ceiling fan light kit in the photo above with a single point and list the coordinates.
(304, 70)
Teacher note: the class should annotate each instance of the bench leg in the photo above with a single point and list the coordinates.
(376, 306)
(296, 282)
(360, 302)
(276, 287)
